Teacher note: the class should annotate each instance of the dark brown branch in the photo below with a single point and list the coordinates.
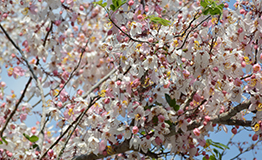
(181, 35)
(135, 40)
(16, 106)
(121, 148)
(38, 84)
(191, 31)
(77, 123)
(224, 118)
(50, 29)
(78, 119)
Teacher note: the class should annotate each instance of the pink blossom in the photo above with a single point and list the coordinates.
(242, 11)
(234, 130)
(256, 68)
(69, 1)
(63, 95)
(161, 118)
(254, 137)
(50, 153)
(131, 2)
(197, 97)
(102, 146)
(180, 111)
(33, 9)
(23, 117)
(135, 130)
(238, 82)
(107, 100)
(207, 118)
(196, 131)
(65, 75)
(186, 73)
(2, 84)
(18, 71)
(202, 142)
(158, 140)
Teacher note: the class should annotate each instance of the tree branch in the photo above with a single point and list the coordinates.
(248, 149)
(50, 29)
(135, 40)
(184, 42)
(224, 118)
(16, 106)
(37, 83)
(121, 148)
(77, 123)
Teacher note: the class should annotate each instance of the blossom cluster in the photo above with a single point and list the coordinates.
(208, 65)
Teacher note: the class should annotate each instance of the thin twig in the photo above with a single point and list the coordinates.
(72, 73)
(188, 100)
(16, 106)
(248, 149)
(50, 29)
(230, 140)
(195, 17)
(37, 83)
(100, 82)
(62, 135)
(191, 31)
(135, 40)
(77, 123)
(84, 96)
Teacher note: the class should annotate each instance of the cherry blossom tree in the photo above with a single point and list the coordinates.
(129, 79)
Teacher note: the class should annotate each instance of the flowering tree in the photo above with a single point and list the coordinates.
(129, 79)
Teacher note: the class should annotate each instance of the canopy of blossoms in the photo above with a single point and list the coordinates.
(128, 79)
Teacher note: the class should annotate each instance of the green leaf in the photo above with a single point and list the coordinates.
(221, 6)
(204, 3)
(216, 144)
(185, 50)
(100, 3)
(206, 11)
(213, 4)
(3, 140)
(35, 145)
(176, 107)
(143, 133)
(115, 3)
(162, 21)
(118, 2)
(216, 151)
(26, 136)
(204, 158)
(155, 120)
(169, 122)
(104, 5)
(224, 146)
(123, 2)
(215, 11)
(209, 141)
(212, 157)
(172, 102)
(113, 7)
(168, 99)
(33, 139)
